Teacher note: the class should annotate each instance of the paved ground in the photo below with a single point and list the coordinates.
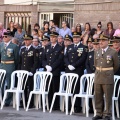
(8, 113)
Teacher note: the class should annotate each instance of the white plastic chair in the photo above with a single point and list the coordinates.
(22, 79)
(71, 80)
(115, 97)
(45, 79)
(86, 95)
(2, 77)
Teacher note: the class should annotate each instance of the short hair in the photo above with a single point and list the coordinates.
(14, 38)
(53, 21)
(35, 37)
(19, 27)
(60, 36)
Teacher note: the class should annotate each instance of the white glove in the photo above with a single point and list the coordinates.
(49, 68)
(71, 67)
(30, 74)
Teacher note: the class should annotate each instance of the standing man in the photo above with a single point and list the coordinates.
(45, 41)
(28, 61)
(90, 57)
(107, 63)
(51, 62)
(9, 54)
(65, 30)
(75, 62)
(52, 24)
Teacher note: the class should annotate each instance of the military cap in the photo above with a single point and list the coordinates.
(7, 33)
(45, 38)
(103, 37)
(90, 39)
(76, 34)
(53, 33)
(116, 38)
(27, 37)
(96, 41)
(68, 37)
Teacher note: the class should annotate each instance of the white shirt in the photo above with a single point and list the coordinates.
(28, 47)
(105, 49)
(54, 45)
(77, 44)
(7, 43)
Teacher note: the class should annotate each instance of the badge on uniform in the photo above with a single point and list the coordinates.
(47, 50)
(22, 52)
(80, 50)
(90, 56)
(40, 53)
(30, 53)
(109, 58)
(9, 52)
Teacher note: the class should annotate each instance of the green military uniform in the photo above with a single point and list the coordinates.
(106, 64)
(9, 61)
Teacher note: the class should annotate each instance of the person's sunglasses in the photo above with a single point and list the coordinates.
(5, 36)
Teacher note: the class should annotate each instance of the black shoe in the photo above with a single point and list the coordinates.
(21, 105)
(107, 118)
(97, 117)
(6, 105)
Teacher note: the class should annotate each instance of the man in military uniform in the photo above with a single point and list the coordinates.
(51, 62)
(75, 62)
(116, 46)
(106, 62)
(9, 54)
(45, 42)
(28, 61)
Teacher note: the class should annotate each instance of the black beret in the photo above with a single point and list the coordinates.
(7, 33)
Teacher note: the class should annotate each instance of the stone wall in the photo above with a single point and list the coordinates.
(95, 12)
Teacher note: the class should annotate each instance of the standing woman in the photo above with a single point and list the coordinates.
(46, 29)
(78, 28)
(12, 29)
(85, 33)
(99, 30)
(110, 30)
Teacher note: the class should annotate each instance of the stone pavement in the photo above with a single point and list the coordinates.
(8, 113)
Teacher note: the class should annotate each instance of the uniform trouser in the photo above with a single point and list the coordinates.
(54, 87)
(9, 69)
(28, 89)
(100, 91)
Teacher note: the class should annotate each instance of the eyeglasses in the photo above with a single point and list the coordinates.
(5, 36)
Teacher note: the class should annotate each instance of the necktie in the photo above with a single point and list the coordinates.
(5, 45)
(26, 49)
(75, 47)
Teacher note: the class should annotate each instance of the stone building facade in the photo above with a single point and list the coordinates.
(75, 11)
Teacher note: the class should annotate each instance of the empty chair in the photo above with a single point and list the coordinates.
(44, 85)
(22, 76)
(115, 97)
(2, 77)
(86, 95)
(68, 81)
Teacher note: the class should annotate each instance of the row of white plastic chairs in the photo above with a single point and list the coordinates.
(67, 86)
